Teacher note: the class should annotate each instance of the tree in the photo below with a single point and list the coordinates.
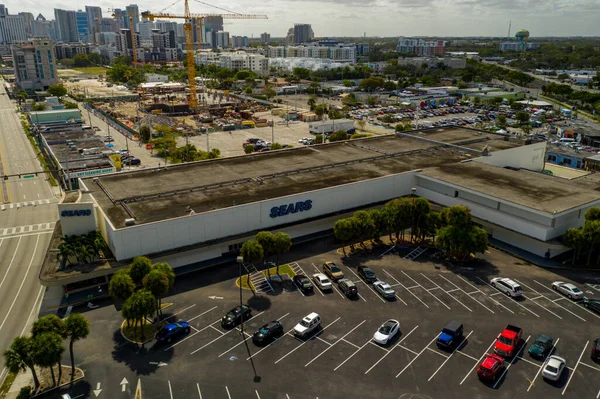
(95, 59)
(458, 235)
(347, 83)
(371, 83)
(388, 118)
(522, 117)
(139, 268)
(252, 252)
(276, 146)
(19, 357)
(47, 350)
(145, 133)
(342, 229)
(563, 76)
(121, 285)
(249, 148)
(81, 60)
(366, 226)
(76, 327)
(340, 135)
(281, 243)
(49, 323)
(361, 125)
(158, 284)
(320, 110)
(266, 241)
(57, 90)
(70, 105)
(248, 90)
(313, 88)
(312, 100)
(269, 92)
(319, 139)
(138, 306)
(576, 239)
(501, 121)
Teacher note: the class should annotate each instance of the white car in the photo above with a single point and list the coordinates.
(553, 368)
(568, 289)
(322, 281)
(384, 289)
(508, 286)
(387, 331)
(307, 325)
(303, 140)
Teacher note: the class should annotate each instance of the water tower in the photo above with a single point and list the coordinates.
(522, 37)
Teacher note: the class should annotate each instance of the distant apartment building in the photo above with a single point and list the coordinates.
(363, 48)
(516, 46)
(145, 30)
(106, 38)
(434, 62)
(66, 25)
(222, 39)
(83, 29)
(421, 47)
(109, 25)
(257, 63)
(132, 11)
(43, 28)
(70, 50)
(94, 17)
(339, 52)
(28, 18)
(34, 65)
(124, 45)
(239, 41)
(163, 49)
(12, 28)
(265, 38)
(303, 33)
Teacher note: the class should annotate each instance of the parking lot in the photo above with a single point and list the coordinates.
(341, 359)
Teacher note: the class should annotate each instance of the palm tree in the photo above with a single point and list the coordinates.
(65, 252)
(47, 350)
(139, 268)
(121, 285)
(281, 243)
(18, 357)
(141, 304)
(265, 239)
(86, 253)
(76, 327)
(158, 284)
(50, 324)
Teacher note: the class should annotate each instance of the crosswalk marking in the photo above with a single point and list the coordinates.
(26, 229)
(17, 205)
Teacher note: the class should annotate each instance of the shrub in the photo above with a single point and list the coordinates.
(359, 136)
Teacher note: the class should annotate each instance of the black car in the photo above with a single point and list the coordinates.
(592, 304)
(235, 316)
(268, 332)
(348, 287)
(303, 283)
(366, 274)
(595, 355)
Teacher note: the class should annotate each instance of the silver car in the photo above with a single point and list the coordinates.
(384, 289)
(568, 289)
(553, 368)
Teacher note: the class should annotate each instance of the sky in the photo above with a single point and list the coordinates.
(376, 17)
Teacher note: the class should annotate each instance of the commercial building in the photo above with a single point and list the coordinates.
(257, 63)
(339, 52)
(132, 11)
(239, 41)
(70, 50)
(517, 46)
(434, 62)
(66, 25)
(222, 39)
(314, 64)
(303, 33)
(421, 47)
(83, 29)
(198, 214)
(43, 28)
(265, 37)
(94, 17)
(28, 19)
(12, 29)
(34, 65)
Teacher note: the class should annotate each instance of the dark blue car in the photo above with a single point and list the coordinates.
(173, 330)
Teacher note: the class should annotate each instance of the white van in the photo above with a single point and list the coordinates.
(307, 325)
(565, 141)
(508, 286)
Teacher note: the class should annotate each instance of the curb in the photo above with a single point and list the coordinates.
(542, 266)
(130, 341)
(60, 386)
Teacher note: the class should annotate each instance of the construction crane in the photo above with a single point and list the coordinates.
(189, 40)
(132, 32)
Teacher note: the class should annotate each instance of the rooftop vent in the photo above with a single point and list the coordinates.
(130, 222)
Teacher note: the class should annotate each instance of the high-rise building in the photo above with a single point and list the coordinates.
(303, 33)
(94, 17)
(66, 25)
(29, 19)
(121, 18)
(34, 64)
(133, 11)
(12, 28)
(3, 10)
(145, 29)
(109, 25)
(239, 41)
(222, 39)
(210, 27)
(83, 29)
(43, 28)
(265, 37)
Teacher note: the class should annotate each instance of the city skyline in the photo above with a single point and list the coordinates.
(377, 18)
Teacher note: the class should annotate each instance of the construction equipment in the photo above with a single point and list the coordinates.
(132, 32)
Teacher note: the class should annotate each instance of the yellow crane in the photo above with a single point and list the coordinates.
(189, 40)
(132, 32)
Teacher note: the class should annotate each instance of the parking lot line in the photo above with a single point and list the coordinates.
(245, 339)
(378, 346)
(545, 297)
(170, 390)
(190, 336)
(257, 395)
(227, 389)
(407, 290)
(332, 345)
(320, 339)
(413, 287)
(590, 366)
(408, 349)
(512, 299)
(540, 305)
(532, 382)
(390, 351)
(367, 285)
(511, 363)
(194, 328)
(287, 333)
(448, 358)
(202, 314)
(537, 297)
(221, 336)
(417, 356)
(352, 355)
(199, 392)
(460, 289)
(302, 344)
(361, 297)
(447, 292)
(350, 343)
(575, 368)
(479, 360)
(438, 353)
(436, 298)
(216, 329)
(175, 314)
(400, 299)
(467, 355)
(562, 298)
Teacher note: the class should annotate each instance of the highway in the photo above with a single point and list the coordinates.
(28, 213)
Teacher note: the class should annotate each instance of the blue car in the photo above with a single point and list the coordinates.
(173, 330)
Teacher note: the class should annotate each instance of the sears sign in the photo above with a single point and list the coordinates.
(283, 210)
(76, 212)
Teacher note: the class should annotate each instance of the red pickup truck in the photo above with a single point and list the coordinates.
(507, 343)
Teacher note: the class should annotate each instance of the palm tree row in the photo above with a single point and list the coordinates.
(44, 348)
(84, 248)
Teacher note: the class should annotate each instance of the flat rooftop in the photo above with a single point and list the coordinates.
(533, 190)
(157, 194)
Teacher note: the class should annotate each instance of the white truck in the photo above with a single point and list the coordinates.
(330, 126)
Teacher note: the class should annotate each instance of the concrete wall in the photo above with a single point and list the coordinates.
(156, 237)
(77, 218)
(526, 157)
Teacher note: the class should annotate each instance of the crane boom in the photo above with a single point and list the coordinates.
(189, 54)
(152, 16)
(133, 48)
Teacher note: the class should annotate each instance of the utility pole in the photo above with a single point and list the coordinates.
(272, 129)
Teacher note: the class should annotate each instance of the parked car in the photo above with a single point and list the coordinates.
(334, 272)
(322, 281)
(490, 368)
(268, 332)
(108, 139)
(451, 334)
(384, 289)
(366, 274)
(507, 286)
(236, 315)
(592, 304)
(541, 346)
(387, 331)
(553, 368)
(303, 283)
(348, 287)
(595, 355)
(307, 325)
(133, 161)
(508, 341)
(568, 289)
(172, 330)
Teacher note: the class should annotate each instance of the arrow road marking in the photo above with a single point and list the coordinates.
(124, 383)
(215, 297)
(98, 390)
(159, 364)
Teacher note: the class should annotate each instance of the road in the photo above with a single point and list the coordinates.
(27, 215)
